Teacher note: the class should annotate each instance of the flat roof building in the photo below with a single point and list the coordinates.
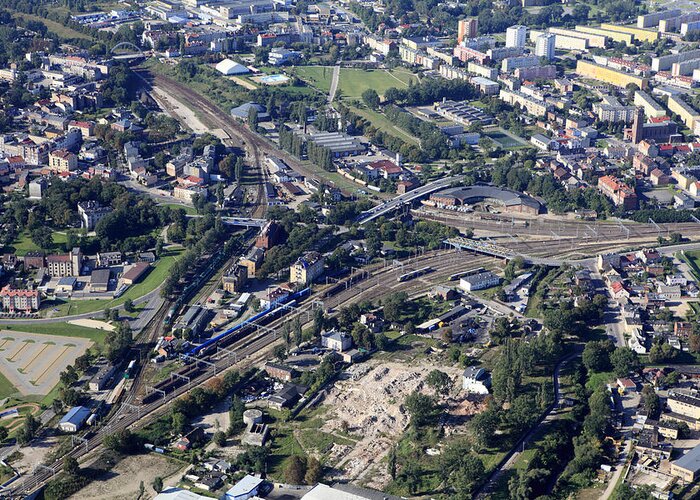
(687, 467)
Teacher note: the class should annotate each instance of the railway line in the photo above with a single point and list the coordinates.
(580, 229)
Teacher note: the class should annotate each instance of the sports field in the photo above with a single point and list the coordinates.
(504, 140)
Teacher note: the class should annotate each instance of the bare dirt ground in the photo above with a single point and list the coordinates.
(124, 479)
(35, 454)
(371, 402)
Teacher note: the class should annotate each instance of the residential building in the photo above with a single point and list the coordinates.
(105, 371)
(253, 261)
(91, 212)
(306, 269)
(683, 403)
(107, 259)
(516, 36)
(587, 69)
(63, 160)
(476, 380)
(63, 265)
(467, 28)
(235, 279)
(15, 300)
(652, 109)
(688, 115)
(545, 46)
(337, 341)
(620, 194)
(529, 104)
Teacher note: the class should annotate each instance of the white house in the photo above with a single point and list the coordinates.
(479, 281)
(476, 380)
(338, 341)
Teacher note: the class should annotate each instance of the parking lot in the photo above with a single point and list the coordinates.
(32, 362)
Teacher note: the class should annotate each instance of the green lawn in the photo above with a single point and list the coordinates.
(153, 280)
(54, 27)
(6, 387)
(24, 244)
(316, 76)
(382, 123)
(188, 209)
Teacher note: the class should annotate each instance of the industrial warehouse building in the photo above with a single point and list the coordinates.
(512, 201)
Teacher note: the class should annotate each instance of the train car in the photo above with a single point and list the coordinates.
(234, 332)
(91, 419)
(414, 274)
(130, 369)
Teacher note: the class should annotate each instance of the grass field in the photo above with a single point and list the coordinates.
(54, 27)
(188, 210)
(62, 329)
(154, 279)
(383, 123)
(352, 82)
(24, 244)
(316, 76)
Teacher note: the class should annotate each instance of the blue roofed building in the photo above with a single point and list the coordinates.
(75, 418)
(244, 489)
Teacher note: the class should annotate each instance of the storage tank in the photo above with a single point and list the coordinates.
(252, 416)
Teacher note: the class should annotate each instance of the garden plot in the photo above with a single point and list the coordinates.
(32, 362)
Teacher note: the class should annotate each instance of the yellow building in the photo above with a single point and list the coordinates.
(62, 160)
(594, 40)
(608, 75)
(639, 33)
(687, 113)
(616, 36)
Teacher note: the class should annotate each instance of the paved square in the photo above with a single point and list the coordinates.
(32, 362)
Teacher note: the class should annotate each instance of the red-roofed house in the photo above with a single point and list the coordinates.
(388, 169)
(20, 300)
(618, 290)
(620, 194)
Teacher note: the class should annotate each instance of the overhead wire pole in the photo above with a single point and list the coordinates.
(655, 225)
(79, 439)
(181, 377)
(625, 229)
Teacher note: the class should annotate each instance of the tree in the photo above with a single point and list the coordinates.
(3, 434)
(219, 439)
(71, 466)
(129, 306)
(484, 426)
(28, 431)
(439, 381)
(280, 352)
(370, 98)
(179, 422)
(42, 237)
(624, 360)
(651, 402)
(253, 117)
(596, 355)
(158, 484)
(314, 471)
(391, 462)
(294, 469)
(421, 407)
